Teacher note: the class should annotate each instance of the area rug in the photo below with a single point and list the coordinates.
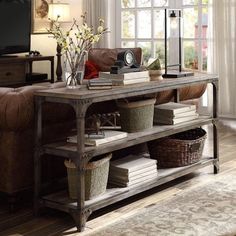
(206, 210)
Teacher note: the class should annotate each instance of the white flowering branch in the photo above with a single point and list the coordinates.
(77, 40)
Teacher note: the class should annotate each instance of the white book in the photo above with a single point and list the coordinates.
(125, 76)
(120, 175)
(172, 108)
(135, 182)
(110, 135)
(117, 82)
(131, 163)
(175, 121)
(160, 115)
(119, 179)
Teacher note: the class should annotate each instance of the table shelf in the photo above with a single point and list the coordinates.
(62, 201)
(69, 150)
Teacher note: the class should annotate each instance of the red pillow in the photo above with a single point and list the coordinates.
(91, 70)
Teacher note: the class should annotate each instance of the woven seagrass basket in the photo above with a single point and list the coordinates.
(178, 150)
(96, 177)
(136, 116)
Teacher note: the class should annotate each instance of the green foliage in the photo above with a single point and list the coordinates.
(190, 59)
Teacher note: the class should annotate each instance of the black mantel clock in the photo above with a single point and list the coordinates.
(125, 63)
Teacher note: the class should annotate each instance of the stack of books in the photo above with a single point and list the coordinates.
(174, 113)
(102, 138)
(99, 84)
(132, 170)
(126, 78)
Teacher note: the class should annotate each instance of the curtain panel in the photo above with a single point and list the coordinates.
(222, 53)
(104, 9)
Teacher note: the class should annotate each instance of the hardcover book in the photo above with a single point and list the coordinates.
(135, 182)
(133, 175)
(120, 179)
(109, 136)
(159, 115)
(125, 76)
(100, 82)
(172, 108)
(175, 121)
(131, 163)
(117, 82)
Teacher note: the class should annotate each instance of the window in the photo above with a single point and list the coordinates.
(195, 20)
(141, 24)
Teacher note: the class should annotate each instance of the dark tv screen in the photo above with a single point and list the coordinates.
(15, 26)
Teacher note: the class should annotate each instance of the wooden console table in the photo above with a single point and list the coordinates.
(80, 100)
(13, 70)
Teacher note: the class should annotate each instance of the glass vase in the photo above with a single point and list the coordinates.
(71, 81)
(74, 76)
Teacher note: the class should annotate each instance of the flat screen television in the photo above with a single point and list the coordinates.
(15, 26)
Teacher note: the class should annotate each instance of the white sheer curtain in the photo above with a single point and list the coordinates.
(222, 53)
(104, 9)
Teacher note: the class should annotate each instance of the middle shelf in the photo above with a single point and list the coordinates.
(69, 150)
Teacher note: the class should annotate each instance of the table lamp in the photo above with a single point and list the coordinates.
(173, 17)
(60, 12)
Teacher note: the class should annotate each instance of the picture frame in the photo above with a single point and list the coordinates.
(40, 22)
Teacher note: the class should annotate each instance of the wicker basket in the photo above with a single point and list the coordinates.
(178, 150)
(96, 177)
(136, 116)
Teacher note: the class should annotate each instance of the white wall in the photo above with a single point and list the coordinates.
(47, 45)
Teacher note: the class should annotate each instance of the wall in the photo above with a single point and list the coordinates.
(46, 45)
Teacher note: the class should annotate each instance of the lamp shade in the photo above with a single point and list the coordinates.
(61, 10)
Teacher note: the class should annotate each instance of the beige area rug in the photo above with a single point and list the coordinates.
(209, 210)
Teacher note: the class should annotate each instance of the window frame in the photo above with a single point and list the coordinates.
(171, 4)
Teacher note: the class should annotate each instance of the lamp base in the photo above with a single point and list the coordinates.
(177, 74)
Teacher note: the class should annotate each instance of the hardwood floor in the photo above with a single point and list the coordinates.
(51, 222)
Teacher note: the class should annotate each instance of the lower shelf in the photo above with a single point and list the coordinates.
(61, 200)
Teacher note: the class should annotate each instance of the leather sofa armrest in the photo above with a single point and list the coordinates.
(17, 106)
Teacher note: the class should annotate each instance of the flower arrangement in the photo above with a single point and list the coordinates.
(76, 42)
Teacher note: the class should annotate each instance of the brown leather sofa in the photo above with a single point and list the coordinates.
(17, 134)
(17, 123)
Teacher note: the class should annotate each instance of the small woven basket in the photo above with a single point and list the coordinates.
(178, 150)
(136, 116)
(96, 177)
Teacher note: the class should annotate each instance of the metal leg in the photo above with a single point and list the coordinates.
(215, 131)
(80, 218)
(80, 162)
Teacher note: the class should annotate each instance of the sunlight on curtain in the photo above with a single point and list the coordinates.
(222, 53)
(104, 9)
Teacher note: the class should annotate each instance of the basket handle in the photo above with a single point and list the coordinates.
(194, 147)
